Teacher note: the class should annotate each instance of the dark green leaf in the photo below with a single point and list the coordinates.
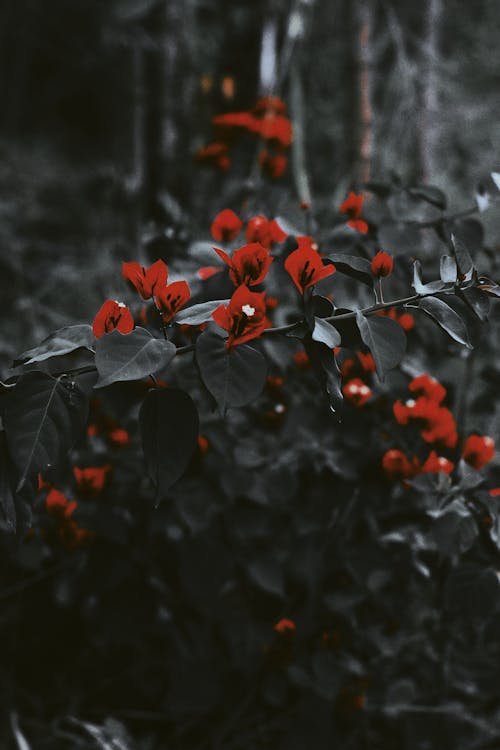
(385, 339)
(169, 427)
(327, 371)
(448, 269)
(357, 268)
(462, 255)
(130, 357)
(43, 418)
(430, 194)
(419, 286)
(198, 314)
(477, 300)
(447, 318)
(235, 377)
(63, 341)
(325, 333)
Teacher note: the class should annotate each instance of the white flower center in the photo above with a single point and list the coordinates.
(248, 310)
(410, 403)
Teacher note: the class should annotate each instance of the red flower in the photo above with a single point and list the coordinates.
(436, 422)
(285, 626)
(277, 129)
(92, 478)
(244, 318)
(367, 362)
(226, 226)
(170, 300)
(235, 121)
(301, 360)
(146, 281)
(397, 466)
(352, 207)
(203, 444)
(357, 392)
(305, 266)
(270, 104)
(382, 264)
(274, 166)
(478, 450)
(216, 155)
(118, 436)
(495, 492)
(249, 264)
(407, 322)
(112, 315)
(436, 464)
(58, 505)
(207, 272)
(260, 229)
(426, 386)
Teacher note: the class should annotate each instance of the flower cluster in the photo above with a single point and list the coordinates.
(244, 318)
(352, 207)
(267, 121)
(149, 283)
(63, 529)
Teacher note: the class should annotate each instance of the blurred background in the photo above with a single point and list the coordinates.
(105, 105)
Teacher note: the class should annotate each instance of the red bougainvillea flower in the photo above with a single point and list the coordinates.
(436, 422)
(407, 322)
(92, 478)
(436, 464)
(58, 505)
(148, 281)
(382, 264)
(207, 272)
(352, 206)
(305, 266)
(226, 226)
(260, 229)
(478, 450)
(203, 444)
(112, 315)
(248, 265)
(215, 155)
(42, 483)
(495, 492)
(366, 361)
(285, 626)
(118, 436)
(277, 129)
(396, 465)
(357, 392)
(270, 104)
(274, 166)
(301, 360)
(170, 300)
(235, 120)
(424, 385)
(244, 318)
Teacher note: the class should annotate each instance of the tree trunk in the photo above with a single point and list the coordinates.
(428, 131)
(365, 68)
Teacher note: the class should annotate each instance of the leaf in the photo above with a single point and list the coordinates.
(464, 261)
(477, 300)
(327, 371)
(235, 377)
(448, 269)
(419, 286)
(130, 356)
(267, 575)
(44, 416)
(325, 333)
(63, 341)
(198, 314)
(385, 339)
(447, 318)
(169, 426)
(357, 268)
(430, 194)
